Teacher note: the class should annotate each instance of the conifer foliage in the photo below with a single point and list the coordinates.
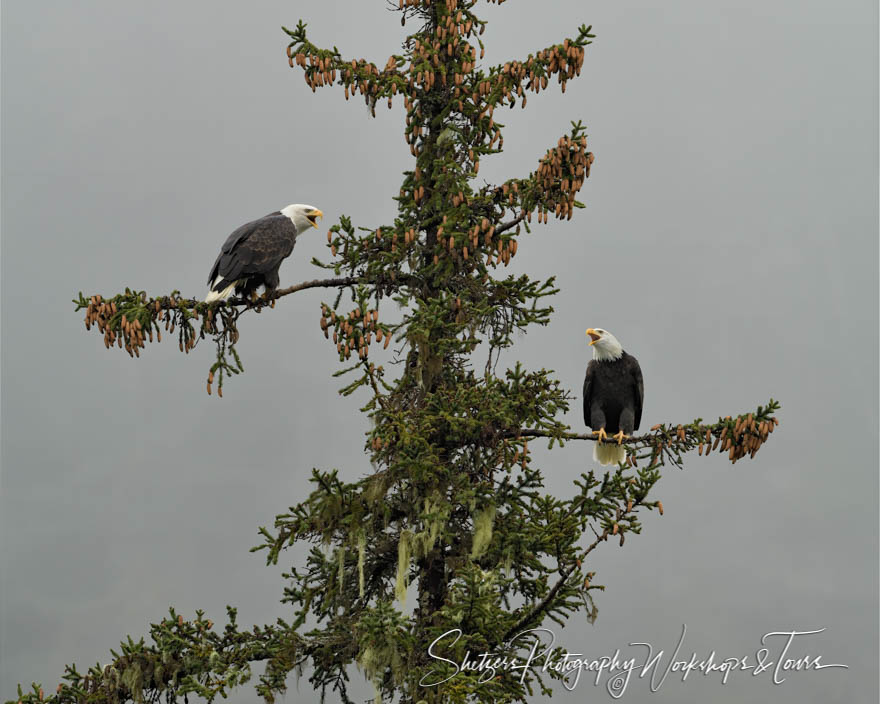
(451, 528)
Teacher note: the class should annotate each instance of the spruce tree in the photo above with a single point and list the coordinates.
(450, 530)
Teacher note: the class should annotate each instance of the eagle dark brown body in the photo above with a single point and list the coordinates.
(252, 254)
(613, 395)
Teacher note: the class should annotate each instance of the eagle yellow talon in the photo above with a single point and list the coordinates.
(601, 435)
(620, 437)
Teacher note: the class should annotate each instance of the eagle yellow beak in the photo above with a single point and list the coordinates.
(594, 336)
(313, 216)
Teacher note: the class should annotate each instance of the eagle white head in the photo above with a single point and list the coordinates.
(302, 216)
(605, 346)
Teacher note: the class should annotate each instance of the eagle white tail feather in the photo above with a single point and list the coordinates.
(220, 295)
(606, 453)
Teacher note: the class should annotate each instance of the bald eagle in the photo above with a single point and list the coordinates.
(251, 255)
(613, 395)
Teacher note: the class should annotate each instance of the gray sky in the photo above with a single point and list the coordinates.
(729, 241)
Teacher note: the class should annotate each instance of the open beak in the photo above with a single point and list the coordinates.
(313, 216)
(594, 336)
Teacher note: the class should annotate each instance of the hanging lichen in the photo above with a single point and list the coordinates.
(133, 679)
(340, 556)
(361, 544)
(376, 658)
(436, 514)
(375, 489)
(404, 552)
(372, 667)
(483, 522)
(506, 563)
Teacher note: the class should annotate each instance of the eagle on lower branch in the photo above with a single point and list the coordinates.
(613, 395)
(252, 255)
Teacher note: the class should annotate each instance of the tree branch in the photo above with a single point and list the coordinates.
(171, 301)
(542, 605)
(513, 223)
(275, 295)
(645, 439)
(738, 436)
(131, 319)
(314, 283)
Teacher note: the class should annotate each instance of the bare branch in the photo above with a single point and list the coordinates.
(513, 223)
(314, 283)
(277, 293)
(645, 439)
(542, 605)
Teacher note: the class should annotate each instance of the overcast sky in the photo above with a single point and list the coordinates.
(730, 242)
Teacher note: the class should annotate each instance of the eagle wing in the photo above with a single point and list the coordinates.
(588, 384)
(254, 248)
(638, 390)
